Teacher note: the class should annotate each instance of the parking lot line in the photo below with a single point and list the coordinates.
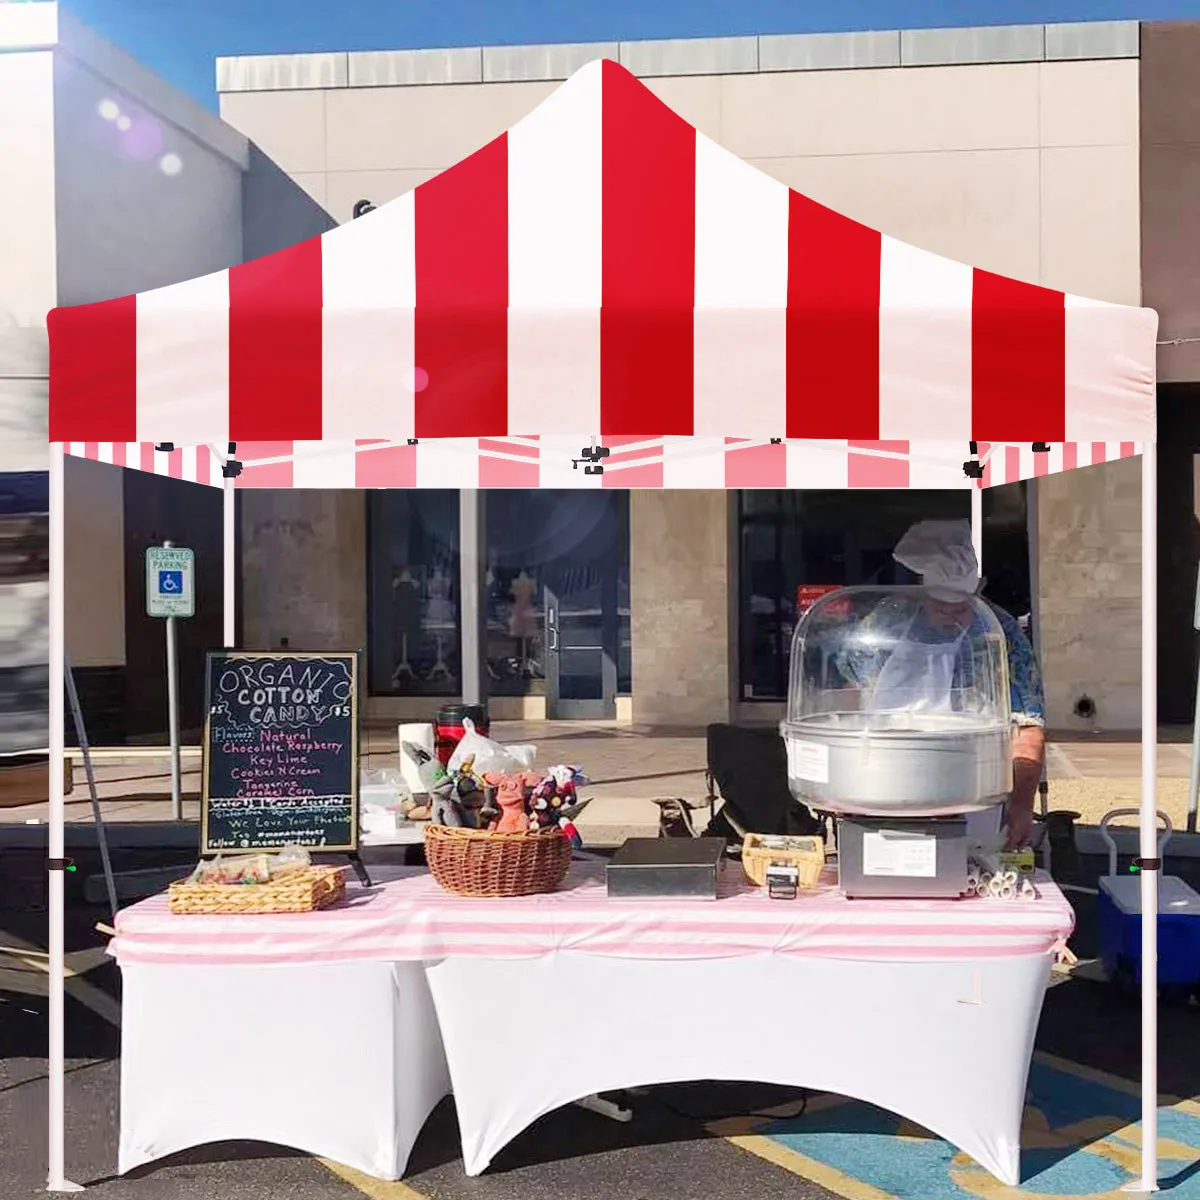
(1065, 1141)
(376, 1189)
(819, 1173)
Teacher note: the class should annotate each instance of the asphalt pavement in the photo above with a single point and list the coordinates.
(673, 1150)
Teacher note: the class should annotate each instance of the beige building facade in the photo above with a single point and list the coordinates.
(1015, 149)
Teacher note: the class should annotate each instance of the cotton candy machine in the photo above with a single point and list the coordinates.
(898, 723)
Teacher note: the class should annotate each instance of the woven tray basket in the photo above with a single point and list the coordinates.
(475, 862)
(300, 891)
(809, 861)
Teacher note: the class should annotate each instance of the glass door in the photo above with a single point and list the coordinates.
(581, 642)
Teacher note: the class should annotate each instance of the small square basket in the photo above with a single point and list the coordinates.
(305, 890)
(806, 854)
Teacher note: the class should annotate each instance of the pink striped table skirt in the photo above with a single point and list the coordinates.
(411, 918)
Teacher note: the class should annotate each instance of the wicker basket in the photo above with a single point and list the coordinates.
(299, 891)
(476, 862)
(808, 859)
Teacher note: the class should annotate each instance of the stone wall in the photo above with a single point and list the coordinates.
(680, 572)
(304, 569)
(1089, 530)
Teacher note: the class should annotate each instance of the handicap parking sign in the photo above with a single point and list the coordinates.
(170, 572)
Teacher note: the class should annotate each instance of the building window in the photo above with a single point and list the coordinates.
(575, 543)
(790, 540)
(415, 642)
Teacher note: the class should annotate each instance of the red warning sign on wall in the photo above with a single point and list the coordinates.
(807, 594)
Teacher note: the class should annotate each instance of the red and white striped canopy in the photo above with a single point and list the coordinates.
(553, 462)
(603, 270)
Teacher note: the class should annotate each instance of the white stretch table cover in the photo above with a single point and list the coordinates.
(946, 1044)
(342, 1061)
(926, 1007)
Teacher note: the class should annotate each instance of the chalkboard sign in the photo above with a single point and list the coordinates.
(280, 752)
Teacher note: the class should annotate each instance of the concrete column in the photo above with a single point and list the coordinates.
(1089, 594)
(680, 575)
(304, 569)
(472, 539)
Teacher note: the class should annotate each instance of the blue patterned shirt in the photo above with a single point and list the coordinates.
(1026, 694)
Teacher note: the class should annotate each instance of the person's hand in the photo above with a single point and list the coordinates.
(1017, 827)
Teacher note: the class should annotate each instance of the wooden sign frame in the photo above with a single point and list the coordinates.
(352, 659)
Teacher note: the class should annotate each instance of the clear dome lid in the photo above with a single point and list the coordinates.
(898, 659)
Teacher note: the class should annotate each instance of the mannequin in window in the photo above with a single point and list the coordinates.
(522, 621)
(406, 620)
(439, 612)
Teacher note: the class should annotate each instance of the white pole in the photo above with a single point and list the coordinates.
(56, 1177)
(229, 548)
(1148, 839)
(977, 522)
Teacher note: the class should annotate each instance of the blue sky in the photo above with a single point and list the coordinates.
(180, 38)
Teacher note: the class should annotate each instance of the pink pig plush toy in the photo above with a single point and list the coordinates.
(510, 796)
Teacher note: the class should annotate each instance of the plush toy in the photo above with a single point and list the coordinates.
(510, 796)
(545, 791)
(437, 785)
(564, 784)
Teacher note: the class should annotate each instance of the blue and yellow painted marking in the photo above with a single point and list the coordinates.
(1081, 1141)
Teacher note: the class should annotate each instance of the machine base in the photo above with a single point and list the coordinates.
(902, 859)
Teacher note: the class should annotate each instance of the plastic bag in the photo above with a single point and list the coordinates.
(383, 788)
(490, 757)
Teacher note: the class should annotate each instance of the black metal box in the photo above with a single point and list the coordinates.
(680, 868)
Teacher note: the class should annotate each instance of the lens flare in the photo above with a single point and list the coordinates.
(108, 110)
(170, 164)
(124, 123)
(416, 380)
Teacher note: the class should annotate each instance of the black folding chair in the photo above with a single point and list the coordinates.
(747, 770)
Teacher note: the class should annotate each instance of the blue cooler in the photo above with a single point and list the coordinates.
(1120, 909)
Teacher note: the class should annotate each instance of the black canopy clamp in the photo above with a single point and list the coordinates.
(413, 441)
(591, 455)
(973, 468)
(164, 447)
(60, 864)
(777, 441)
(1041, 447)
(1147, 864)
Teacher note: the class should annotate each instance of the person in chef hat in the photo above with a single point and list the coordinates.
(942, 554)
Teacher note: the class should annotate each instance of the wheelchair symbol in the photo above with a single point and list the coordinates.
(170, 583)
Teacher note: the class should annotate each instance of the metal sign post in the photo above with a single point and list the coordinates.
(171, 594)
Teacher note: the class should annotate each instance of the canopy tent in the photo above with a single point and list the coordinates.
(603, 276)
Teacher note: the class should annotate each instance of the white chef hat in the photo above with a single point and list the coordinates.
(941, 552)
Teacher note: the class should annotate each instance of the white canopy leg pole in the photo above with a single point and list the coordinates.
(229, 550)
(57, 1180)
(977, 522)
(1148, 840)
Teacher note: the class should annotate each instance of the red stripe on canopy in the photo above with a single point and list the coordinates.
(93, 372)
(1018, 360)
(647, 367)
(275, 383)
(832, 324)
(461, 322)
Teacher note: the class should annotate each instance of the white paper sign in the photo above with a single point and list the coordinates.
(903, 855)
(810, 761)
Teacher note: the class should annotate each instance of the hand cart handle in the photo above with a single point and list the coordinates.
(1130, 812)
